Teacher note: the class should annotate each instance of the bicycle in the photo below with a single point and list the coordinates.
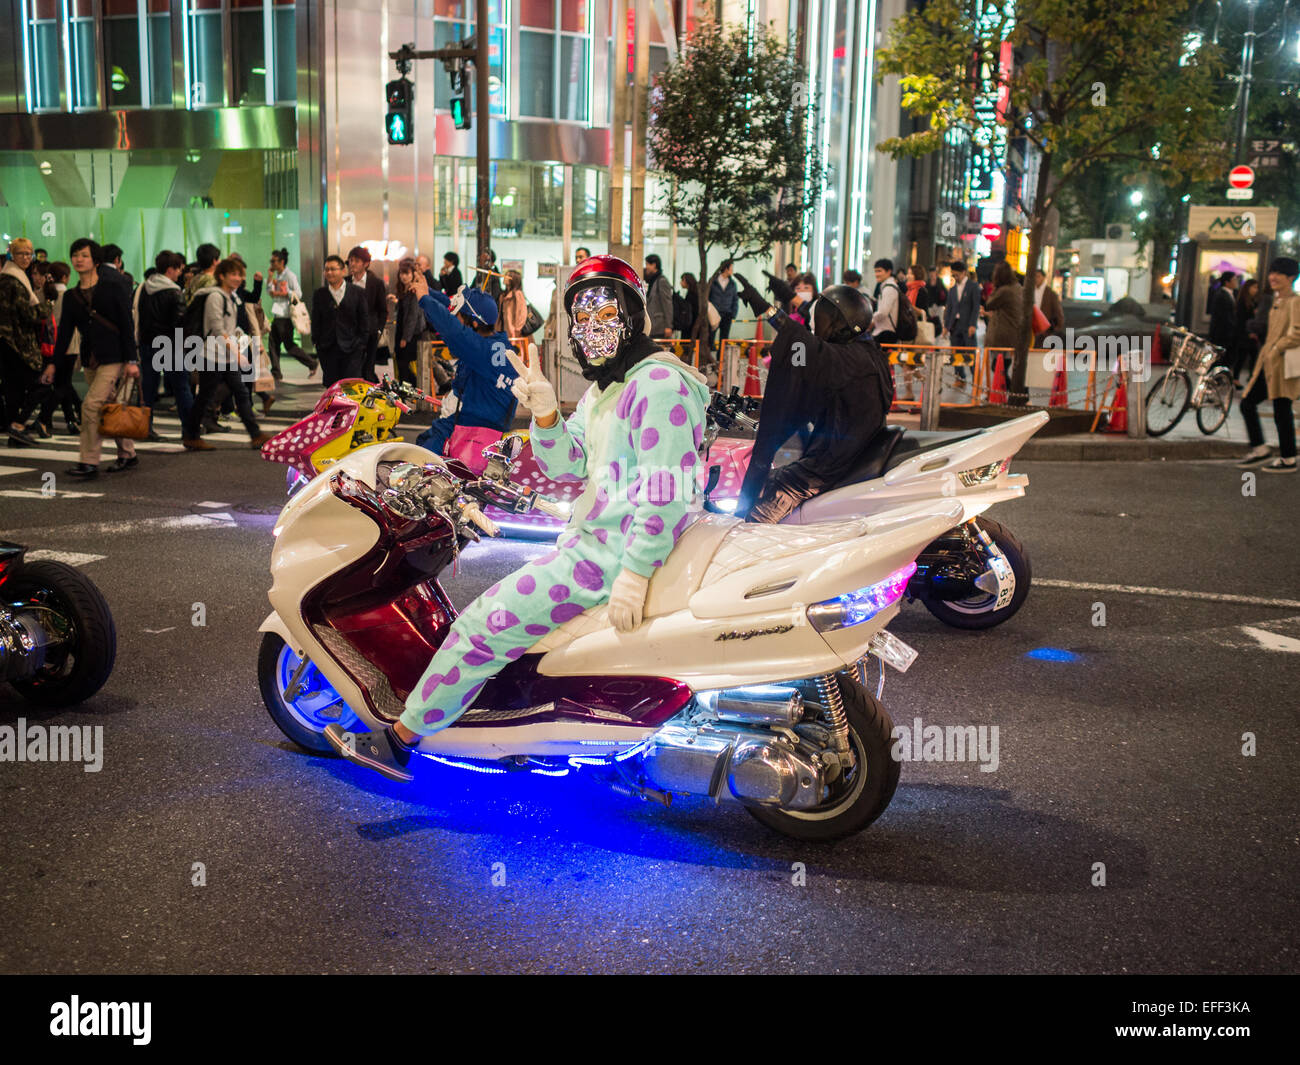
(1196, 378)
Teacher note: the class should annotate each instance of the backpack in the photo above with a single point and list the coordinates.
(906, 323)
(192, 322)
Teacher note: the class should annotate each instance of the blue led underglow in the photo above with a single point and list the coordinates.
(550, 772)
(463, 765)
(1053, 654)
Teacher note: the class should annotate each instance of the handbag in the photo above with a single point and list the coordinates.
(125, 420)
(300, 316)
(467, 443)
(1291, 363)
(1041, 322)
(532, 322)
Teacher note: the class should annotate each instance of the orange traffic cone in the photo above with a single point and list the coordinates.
(1060, 390)
(998, 389)
(753, 383)
(1118, 420)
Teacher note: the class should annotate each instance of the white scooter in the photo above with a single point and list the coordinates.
(745, 683)
(977, 574)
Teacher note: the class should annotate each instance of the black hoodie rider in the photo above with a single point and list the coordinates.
(831, 386)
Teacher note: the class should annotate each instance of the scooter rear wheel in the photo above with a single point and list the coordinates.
(979, 611)
(868, 791)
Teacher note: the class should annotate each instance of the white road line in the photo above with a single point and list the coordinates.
(40, 493)
(71, 558)
(1273, 641)
(155, 632)
(110, 528)
(211, 504)
(6, 470)
(1173, 593)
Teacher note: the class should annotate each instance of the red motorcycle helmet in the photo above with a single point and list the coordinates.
(608, 270)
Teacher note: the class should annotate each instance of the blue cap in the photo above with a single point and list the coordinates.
(478, 304)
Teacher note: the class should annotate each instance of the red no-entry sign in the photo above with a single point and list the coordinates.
(990, 231)
(1241, 177)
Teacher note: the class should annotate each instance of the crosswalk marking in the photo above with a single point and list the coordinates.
(6, 470)
(41, 493)
(186, 521)
(70, 558)
(1176, 593)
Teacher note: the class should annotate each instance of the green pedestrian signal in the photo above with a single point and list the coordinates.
(460, 116)
(400, 120)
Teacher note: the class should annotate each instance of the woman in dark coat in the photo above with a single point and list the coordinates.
(1003, 309)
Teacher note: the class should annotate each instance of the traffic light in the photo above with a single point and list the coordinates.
(400, 121)
(460, 112)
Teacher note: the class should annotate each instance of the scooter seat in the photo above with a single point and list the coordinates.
(894, 445)
(914, 443)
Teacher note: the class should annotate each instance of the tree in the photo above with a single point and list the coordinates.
(728, 123)
(1098, 81)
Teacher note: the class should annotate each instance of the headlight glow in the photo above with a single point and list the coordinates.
(844, 611)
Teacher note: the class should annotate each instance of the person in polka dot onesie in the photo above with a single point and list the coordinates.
(634, 440)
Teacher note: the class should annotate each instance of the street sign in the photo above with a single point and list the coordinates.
(1240, 194)
(1241, 177)
(1206, 222)
(990, 231)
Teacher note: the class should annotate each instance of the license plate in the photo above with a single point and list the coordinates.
(891, 650)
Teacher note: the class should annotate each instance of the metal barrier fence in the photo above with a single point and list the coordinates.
(928, 378)
(427, 351)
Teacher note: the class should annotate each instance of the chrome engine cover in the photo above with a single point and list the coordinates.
(761, 704)
(733, 764)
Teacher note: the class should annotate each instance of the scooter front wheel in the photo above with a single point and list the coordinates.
(864, 792)
(980, 611)
(314, 703)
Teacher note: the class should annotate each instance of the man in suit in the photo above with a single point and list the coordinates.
(961, 313)
(340, 324)
(449, 276)
(658, 298)
(1047, 301)
(375, 294)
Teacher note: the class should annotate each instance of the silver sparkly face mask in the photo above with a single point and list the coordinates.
(598, 337)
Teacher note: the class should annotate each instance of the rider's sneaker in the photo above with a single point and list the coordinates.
(1254, 456)
(381, 751)
(1281, 466)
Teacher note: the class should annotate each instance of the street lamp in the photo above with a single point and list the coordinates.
(1246, 76)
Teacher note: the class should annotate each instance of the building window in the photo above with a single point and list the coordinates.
(536, 74)
(41, 54)
(248, 32)
(203, 61)
(79, 45)
(286, 52)
(452, 25)
(574, 78)
(122, 53)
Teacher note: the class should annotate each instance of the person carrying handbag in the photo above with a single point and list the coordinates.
(99, 308)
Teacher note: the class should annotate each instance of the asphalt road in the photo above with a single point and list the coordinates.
(1118, 744)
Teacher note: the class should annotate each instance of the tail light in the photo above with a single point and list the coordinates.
(983, 474)
(844, 611)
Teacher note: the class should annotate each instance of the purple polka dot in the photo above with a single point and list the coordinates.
(572, 541)
(630, 538)
(537, 630)
(432, 717)
(598, 507)
(575, 454)
(602, 535)
(515, 652)
(430, 686)
(566, 611)
(615, 471)
(639, 412)
(634, 489)
(453, 638)
(689, 460)
(546, 443)
(697, 434)
(588, 575)
(680, 527)
(677, 416)
(659, 373)
(526, 585)
(662, 488)
(654, 525)
(559, 593)
(482, 653)
(453, 675)
(492, 591)
(649, 438)
(626, 400)
(683, 390)
(469, 695)
(546, 559)
(500, 620)
(659, 563)
(625, 524)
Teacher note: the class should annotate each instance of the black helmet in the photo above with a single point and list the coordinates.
(840, 314)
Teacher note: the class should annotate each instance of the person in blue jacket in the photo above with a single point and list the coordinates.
(484, 376)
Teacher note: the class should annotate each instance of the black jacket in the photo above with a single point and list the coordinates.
(451, 281)
(161, 314)
(1223, 318)
(834, 396)
(109, 333)
(344, 326)
(376, 293)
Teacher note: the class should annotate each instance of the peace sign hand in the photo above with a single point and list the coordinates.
(532, 389)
